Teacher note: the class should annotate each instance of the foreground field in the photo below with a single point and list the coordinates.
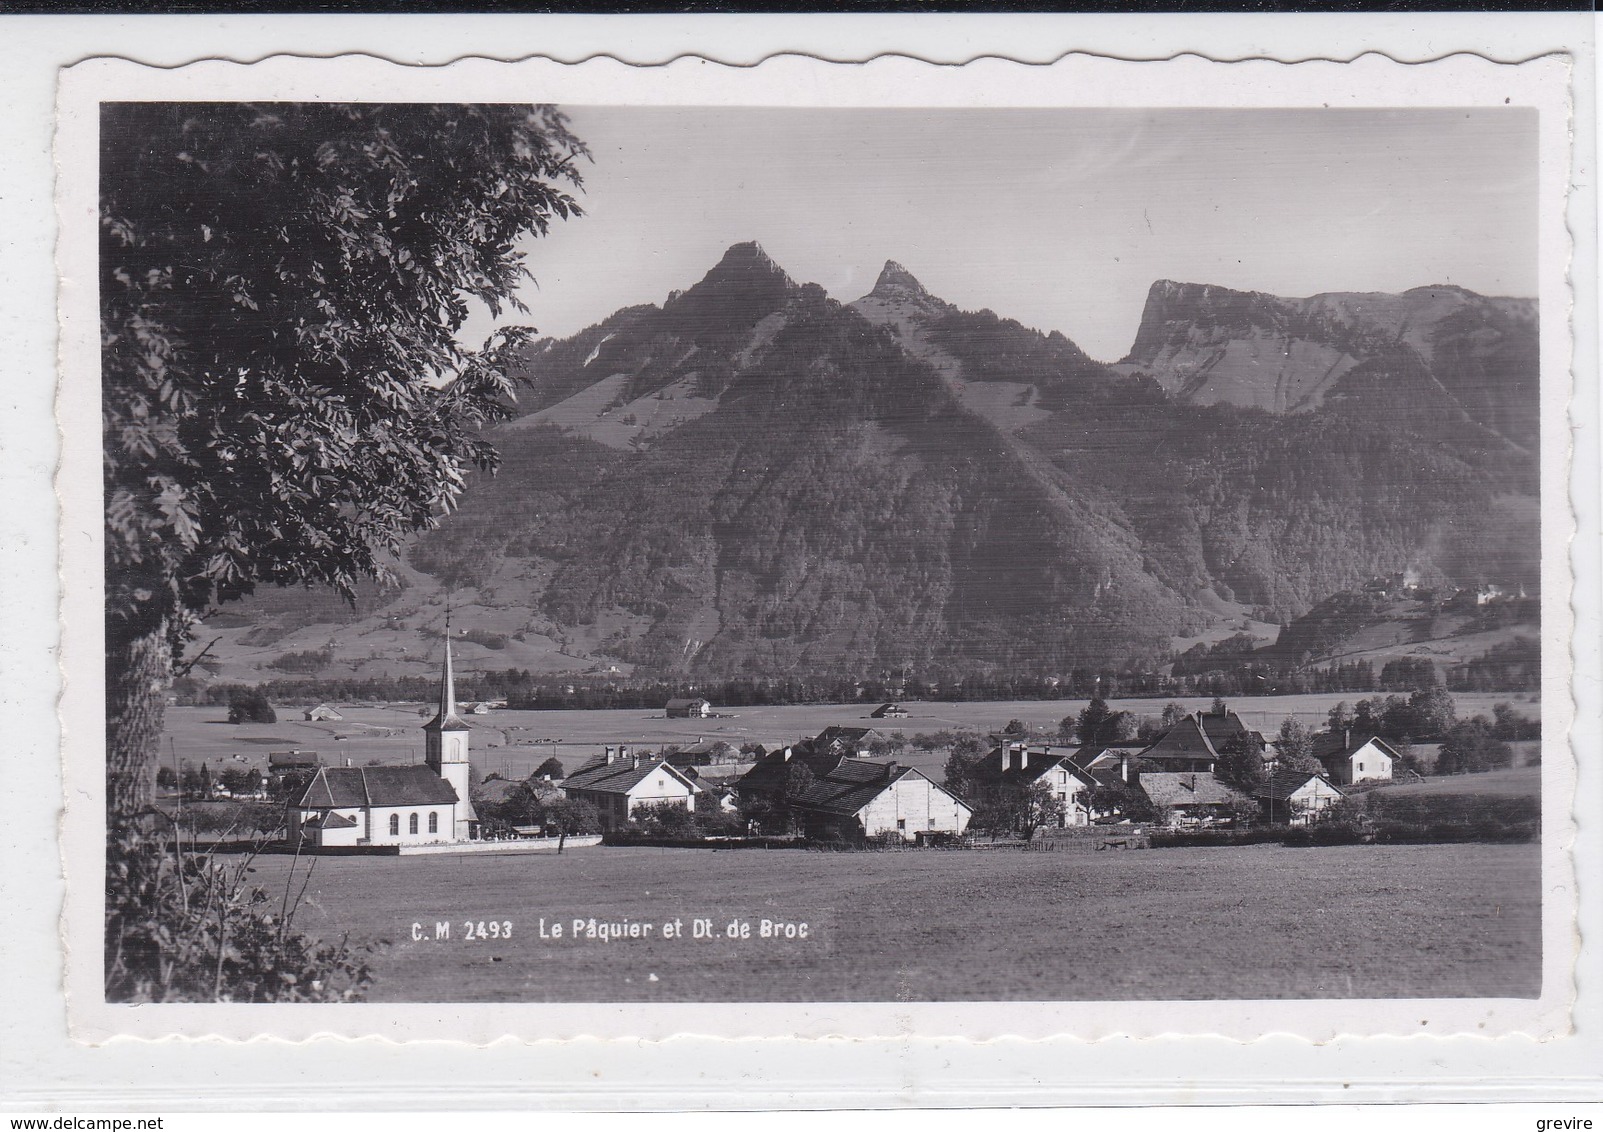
(513, 743)
(1256, 922)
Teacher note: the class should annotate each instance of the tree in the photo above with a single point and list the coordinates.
(1240, 765)
(1470, 747)
(551, 768)
(570, 816)
(1097, 723)
(1339, 718)
(961, 760)
(250, 705)
(1433, 710)
(1173, 713)
(284, 394)
(1121, 801)
(1294, 747)
(166, 778)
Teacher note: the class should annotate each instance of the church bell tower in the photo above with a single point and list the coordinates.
(445, 746)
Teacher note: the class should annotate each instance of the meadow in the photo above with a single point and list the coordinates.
(513, 743)
(1253, 922)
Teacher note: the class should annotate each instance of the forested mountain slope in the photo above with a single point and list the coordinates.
(754, 479)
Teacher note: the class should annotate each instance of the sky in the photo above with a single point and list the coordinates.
(1061, 219)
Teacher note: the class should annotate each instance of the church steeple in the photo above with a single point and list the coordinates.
(445, 745)
(446, 718)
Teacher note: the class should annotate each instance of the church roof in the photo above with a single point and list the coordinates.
(346, 786)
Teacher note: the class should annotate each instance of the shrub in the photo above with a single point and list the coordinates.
(180, 927)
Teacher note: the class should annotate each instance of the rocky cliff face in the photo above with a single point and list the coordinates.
(1209, 345)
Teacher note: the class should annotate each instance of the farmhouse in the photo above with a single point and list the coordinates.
(703, 752)
(1018, 762)
(1296, 797)
(395, 805)
(1350, 759)
(692, 708)
(1190, 797)
(322, 712)
(889, 711)
(852, 742)
(855, 798)
(619, 783)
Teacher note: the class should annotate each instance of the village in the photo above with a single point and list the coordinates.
(1100, 777)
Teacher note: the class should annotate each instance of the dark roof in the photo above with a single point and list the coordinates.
(1185, 740)
(343, 786)
(688, 701)
(1187, 788)
(851, 785)
(1335, 745)
(1041, 759)
(1282, 784)
(843, 734)
(888, 709)
(619, 776)
(292, 759)
(1223, 727)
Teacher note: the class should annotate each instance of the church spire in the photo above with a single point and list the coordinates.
(446, 719)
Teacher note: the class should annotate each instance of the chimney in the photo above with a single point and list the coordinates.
(786, 756)
(1124, 766)
(1024, 755)
(891, 768)
(634, 761)
(347, 760)
(612, 753)
(1346, 738)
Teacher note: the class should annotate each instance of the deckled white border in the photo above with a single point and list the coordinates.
(1369, 81)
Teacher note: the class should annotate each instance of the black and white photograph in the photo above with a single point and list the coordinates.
(576, 551)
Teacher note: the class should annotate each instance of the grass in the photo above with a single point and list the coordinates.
(1525, 781)
(1256, 922)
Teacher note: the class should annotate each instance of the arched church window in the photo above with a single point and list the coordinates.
(411, 824)
(395, 825)
(434, 823)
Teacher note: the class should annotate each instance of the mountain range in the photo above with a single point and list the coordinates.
(753, 478)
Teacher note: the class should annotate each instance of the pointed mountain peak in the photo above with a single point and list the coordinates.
(896, 279)
(745, 260)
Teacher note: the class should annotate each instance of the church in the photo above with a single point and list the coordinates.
(356, 807)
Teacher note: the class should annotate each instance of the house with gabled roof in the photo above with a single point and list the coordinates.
(1350, 758)
(1296, 797)
(322, 712)
(688, 707)
(853, 742)
(1023, 764)
(839, 795)
(889, 711)
(620, 782)
(1191, 797)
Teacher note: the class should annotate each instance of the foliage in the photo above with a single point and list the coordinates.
(1511, 726)
(961, 760)
(281, 286)
(1240, 765)
(551, 768)
(1294, 747)
(182, 926)
(1472, 746)
(248, 705)
(1097, 723)
(1121, 801)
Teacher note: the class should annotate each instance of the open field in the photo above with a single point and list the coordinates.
(1525, 781)
(1254, 922)
(513, 743)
